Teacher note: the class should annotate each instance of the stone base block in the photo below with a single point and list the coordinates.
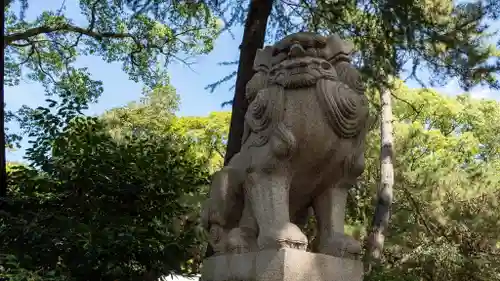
(281, 265)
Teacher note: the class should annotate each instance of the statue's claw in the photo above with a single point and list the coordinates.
(289, 236)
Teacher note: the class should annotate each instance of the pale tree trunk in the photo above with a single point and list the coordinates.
(382, 214)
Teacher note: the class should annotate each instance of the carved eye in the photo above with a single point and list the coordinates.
(326, 65)
(273, 72)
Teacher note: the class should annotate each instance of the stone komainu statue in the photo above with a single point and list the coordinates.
(302, 147)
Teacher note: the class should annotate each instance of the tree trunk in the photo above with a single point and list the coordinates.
(253, 39)
(382, 214)
(3, 171)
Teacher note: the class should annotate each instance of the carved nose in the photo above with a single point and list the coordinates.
(296, 51)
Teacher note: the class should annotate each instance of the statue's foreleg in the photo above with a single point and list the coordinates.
(268, 188)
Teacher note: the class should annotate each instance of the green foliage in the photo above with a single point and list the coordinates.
(118, 197)
(104, 210)
(45, 49)
(446, 213)
(429, 41)
(153, 114)
(114, 197)
(48, 45)
(449, 39)
(210, 133)
(12, 141)
(121, 193)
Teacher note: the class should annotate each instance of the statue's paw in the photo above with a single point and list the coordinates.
(340, 245)
(289, 236)
(241, 241)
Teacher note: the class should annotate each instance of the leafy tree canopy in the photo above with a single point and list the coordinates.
(45, 49)
(131, 191)
(110, 201)
(446, 39)
(450, 39)
(445, 222)
(211, 134)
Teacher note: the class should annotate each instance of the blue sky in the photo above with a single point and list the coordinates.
(189, 81)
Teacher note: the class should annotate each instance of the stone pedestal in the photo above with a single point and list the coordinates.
(281, 265)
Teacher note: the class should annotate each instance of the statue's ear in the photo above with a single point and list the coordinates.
(263, 57)
(335, 47)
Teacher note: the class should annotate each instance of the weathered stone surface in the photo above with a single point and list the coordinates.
(281, 265)
(302, 148)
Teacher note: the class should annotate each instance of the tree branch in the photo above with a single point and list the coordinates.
(11, 38)
(6, 3)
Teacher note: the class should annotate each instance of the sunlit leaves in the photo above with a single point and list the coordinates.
(45, 49)
(446, 210)
(137, 40)
(117, 205)
(448, 38)
(210, 133)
